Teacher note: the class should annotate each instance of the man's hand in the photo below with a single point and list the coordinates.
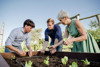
(21, 53)
(30, 53)
(43, 51)
(53, 51)
(52, 47)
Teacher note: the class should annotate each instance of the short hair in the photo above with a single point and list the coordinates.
(62, 14)
(29, 22)
(50, 20)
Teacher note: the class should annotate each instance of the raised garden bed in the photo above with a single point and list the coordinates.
(54, 60)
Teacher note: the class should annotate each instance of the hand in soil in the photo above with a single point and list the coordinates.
(21, 53)
(30, 53)
(43, 51)
(53, 51)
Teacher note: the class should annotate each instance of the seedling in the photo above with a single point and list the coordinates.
(74, 64)
(13, 57)
(64, 60)
(64, 39)
(47, 60)
(86, 62)
(28, 64)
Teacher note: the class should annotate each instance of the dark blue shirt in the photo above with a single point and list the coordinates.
(54, 33)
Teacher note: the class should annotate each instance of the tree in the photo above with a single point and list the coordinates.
(36, 41)
(36, 34)
(95, 30)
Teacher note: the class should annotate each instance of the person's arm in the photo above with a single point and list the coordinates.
(28, 39)
(19, 52)
(29, 45)
(13, 48)
(81, 30)
(61, 42)
(9, 41)
(45, 44)
(56, 41)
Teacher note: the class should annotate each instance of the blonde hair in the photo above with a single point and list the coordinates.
(62, 14)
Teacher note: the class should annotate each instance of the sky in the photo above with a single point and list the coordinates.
(14, 12)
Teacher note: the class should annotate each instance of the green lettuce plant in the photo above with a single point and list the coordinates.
(12, 57)
(74, 64)
(28, 64)
(46, 61)
(86, 62)
(64, 60)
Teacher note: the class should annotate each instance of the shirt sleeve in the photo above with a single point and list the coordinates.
(46, 36)
(58, 32)
(28, 40)
(11, 38)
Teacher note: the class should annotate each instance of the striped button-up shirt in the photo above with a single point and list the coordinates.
(17, 36)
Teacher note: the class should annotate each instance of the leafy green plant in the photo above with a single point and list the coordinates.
(28, 64)
(64, 60)
(64, 39)
(47, 60)
(74, 64)
(2, 49)
(12, 57)
(86, 62)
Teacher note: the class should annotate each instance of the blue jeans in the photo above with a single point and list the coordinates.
(8, 50)
(59, 48)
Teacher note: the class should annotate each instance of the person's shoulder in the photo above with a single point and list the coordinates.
(46, 30)
(76, 21)
(17, 29)
(56, 25)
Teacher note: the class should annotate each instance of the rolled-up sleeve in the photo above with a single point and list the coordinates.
(28, 40)
(10, 38)
(46, 36)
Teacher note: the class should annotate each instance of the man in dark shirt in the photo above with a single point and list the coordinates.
(54, 32)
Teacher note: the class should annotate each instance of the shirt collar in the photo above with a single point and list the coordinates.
(22, 29)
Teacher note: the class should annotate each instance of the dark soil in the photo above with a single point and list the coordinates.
(38, 61)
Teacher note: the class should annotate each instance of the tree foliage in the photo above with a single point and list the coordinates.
(95, 30)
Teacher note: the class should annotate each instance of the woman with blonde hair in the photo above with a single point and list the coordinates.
(81, 39)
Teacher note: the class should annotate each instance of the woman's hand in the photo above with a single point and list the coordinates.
(69, 41)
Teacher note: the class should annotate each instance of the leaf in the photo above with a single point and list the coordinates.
(66, 58)
(13, 57)
(46, 62)
(47, 58)
(74, 64)
(63, 61)
(64, 39)
(28, 64)
(70, 65)
(86, 62)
